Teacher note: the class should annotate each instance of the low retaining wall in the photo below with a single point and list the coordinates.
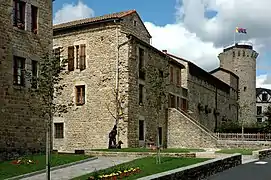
(137, 154)
(262, 154)
(200, 170)
(243, 144)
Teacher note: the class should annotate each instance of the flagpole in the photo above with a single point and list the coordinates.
(234, 34)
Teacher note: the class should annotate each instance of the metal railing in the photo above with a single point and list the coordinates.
(243, 137)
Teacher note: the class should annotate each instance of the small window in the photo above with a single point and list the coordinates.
(34, 17)
(239, 53)
(264, 97)
(245, 88)
(34, 83)
(141, 88)
(160, 135)
(135, 23)
(141, 58)
(19, 14)
(184, 105)
(18, 70)
(161, 74)
(233, 53)
(259, 110)
(59, 130)
(141, 130)
(80, 95)
(244, 53)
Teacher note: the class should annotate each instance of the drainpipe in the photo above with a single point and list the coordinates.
(117, 78)
(216, 109)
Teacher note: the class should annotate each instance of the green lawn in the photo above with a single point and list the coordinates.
(7, 169)
(148, 166)
(237, 150)
(169, 150)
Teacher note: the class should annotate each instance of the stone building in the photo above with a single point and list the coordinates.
(263, 100)
(25, 35)
(240, 59)
(106, 55)
(209, 100)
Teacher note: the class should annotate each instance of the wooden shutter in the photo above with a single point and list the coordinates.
(178, 77)
(171, 74)
(82, 56)
(70, 58)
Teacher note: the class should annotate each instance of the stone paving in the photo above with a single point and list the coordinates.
(81, 169)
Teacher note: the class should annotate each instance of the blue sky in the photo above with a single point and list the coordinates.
(204, 27)
(158, 12)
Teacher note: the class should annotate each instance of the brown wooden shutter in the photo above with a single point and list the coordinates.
(70, 58)
(171, 74)
(178, 77)
(82, 56)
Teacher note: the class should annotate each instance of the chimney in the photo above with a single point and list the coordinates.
(164, 51)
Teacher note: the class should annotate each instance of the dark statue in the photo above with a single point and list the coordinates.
(112, 138)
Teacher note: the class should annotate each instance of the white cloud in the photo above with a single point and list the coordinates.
(200, 39)
(71, 12)
(263, 81)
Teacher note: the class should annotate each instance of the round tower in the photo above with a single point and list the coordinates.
(240, 59)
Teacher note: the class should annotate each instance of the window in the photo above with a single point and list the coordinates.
(259, 110)
(134, 23)
(19, 14)
(233, 53)
(56, 53)
(80, 95)
(184, 105)
(18, 70)
(184, 92)
(59, 130)
(70, 58)
(264, 97)
(259, 120)
(178, 102)
(82, 63)
(245, 88)
(160, 135)
(161, 74)
(81, 56)
(34, 83)
(141, 87)
(178, 77)
(171, 74)
(141, 58)
(34, 18)
(172, 101)
(141, 130)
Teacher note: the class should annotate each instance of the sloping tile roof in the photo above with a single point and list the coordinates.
(225, 70)
(94, 19)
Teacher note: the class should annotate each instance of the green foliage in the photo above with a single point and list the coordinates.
(267, 123)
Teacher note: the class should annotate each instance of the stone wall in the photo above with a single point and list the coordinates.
(212, 97)
(262, 154)
(147, 111)
(21, 129)
(88, 126)
(242, 61)
(201, 170)
(184, 133)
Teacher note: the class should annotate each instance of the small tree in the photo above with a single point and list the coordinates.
(157, 93)
(267, 123)
(45, 88)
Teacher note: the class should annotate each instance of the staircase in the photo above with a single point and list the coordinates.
(208, 131)
(185, 131)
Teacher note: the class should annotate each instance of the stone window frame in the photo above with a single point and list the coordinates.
(142, 118)
(82, 90)
(59, 130)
